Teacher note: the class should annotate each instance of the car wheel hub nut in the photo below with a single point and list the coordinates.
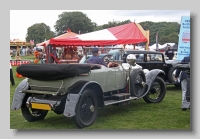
(92, 108)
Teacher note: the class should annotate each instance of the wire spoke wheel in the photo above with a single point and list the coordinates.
(87, 109)
(157, 91)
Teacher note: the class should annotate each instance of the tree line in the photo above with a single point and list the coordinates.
(79, 23)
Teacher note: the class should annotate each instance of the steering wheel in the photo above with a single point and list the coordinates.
(106, 59)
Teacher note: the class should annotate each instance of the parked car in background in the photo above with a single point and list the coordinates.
(84, 59)
(155, 60)
(114, 54)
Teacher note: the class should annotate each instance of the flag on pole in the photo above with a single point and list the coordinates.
(157, 41)
(32, 42)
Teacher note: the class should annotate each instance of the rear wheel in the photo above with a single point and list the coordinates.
(32, 114)
(87, 109)
(157, 91)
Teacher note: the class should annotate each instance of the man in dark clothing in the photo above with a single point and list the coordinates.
(183, 79)
(11, 74)
(95, 59)
(169, 53)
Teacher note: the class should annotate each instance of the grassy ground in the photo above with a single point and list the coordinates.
(139, 115)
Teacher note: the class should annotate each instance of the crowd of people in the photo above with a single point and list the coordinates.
(22, 51)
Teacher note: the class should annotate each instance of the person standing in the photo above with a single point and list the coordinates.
(169, 53)
(11, 74)
(183, 80)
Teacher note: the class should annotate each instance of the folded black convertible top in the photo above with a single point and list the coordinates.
(52, 71)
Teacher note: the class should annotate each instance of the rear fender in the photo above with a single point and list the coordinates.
(75, 92)
(18, 96)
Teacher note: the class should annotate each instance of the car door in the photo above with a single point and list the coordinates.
(120, 77)
(155, 61)
(110, 79)
(141, 60)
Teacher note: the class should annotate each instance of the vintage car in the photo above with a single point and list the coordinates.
(78, 90)
(155, 60)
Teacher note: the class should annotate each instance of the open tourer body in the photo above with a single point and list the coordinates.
(78, 90)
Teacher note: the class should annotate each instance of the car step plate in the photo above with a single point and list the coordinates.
(40, 106)
(121, 96)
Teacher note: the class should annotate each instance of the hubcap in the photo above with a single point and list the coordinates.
(92, 108)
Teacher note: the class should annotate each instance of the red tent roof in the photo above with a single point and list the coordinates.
(123, 34)
(66, 35)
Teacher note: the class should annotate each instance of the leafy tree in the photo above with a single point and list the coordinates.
(39, 32)
(75, 21)
(112, 24)
(167, 31)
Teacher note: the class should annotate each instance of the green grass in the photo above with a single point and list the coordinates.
(31, 57)
(139, 115)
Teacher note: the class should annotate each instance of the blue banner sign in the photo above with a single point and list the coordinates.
(184, 38)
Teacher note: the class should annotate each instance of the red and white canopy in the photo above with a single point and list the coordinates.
(66, 35)
(123, 34)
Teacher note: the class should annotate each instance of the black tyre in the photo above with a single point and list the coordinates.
(157, 91)
(171, 77)
(32, 114)
(86, 109)
(136, 82)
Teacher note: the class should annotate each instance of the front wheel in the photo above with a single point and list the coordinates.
(171, 77)
(32, 114)
(157, 91)
(87, 109)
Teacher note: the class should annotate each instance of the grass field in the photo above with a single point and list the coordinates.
(139, 115)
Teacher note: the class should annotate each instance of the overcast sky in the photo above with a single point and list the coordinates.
(18, 29)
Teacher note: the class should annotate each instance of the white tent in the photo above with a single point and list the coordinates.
(165, 45)
(154, 46)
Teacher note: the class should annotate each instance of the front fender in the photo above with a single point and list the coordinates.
(74, 93)
(151, 75)
(18, 97)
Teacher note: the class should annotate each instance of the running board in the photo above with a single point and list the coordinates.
(110, 102)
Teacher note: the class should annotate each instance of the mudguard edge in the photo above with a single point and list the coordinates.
(73, 98)
(150, 77)
(18, 97)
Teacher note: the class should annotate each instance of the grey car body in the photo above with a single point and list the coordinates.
(81, 95)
